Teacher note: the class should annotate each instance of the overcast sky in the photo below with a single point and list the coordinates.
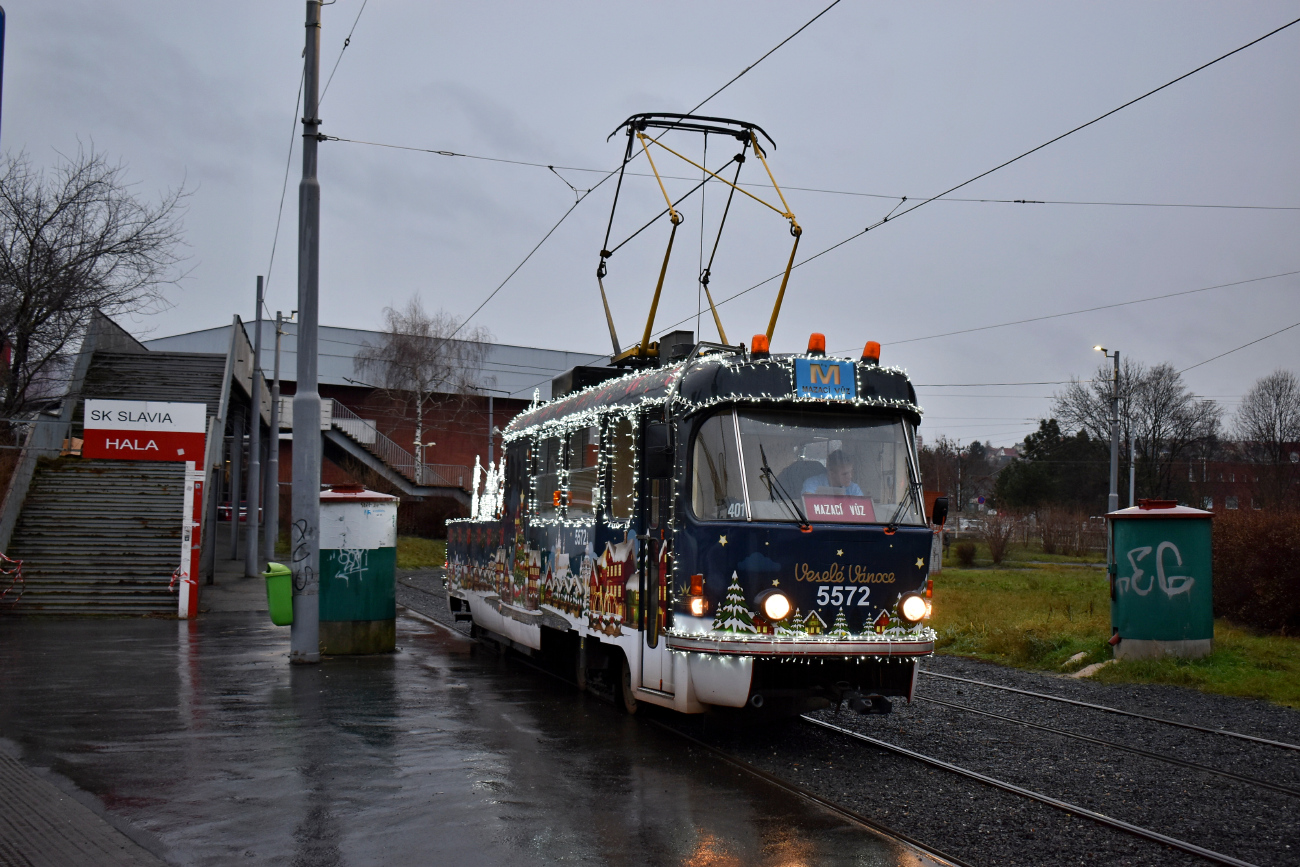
(892, 99)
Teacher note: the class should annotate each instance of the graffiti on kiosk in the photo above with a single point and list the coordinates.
(353, 563)
(1171, 585)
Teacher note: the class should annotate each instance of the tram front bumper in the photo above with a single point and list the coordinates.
(881, 646)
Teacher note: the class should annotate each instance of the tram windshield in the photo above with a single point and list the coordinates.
(798, 465)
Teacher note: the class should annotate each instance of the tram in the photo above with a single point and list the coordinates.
(730, 529)
(703, 525)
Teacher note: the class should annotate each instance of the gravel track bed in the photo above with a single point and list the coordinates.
(981, 825)
(1247, 716)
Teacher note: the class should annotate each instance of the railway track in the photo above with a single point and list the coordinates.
(1100, 820)
(1064, 806)
(935, 857)
(1114, 710)
(801, 792)
(1241, 778)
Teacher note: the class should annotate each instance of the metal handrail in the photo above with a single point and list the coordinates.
(365, 432)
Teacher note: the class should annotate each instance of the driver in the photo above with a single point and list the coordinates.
(839, 474)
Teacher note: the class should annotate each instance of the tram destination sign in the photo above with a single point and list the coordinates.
(828, 380)
(144, 430)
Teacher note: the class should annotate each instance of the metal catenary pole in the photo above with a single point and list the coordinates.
(1113, 500)
(273, 453)
(252, 553)
(304, 531)
(236, 479)
(1132, 466)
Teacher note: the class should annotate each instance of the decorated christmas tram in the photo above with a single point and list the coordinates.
(723, 528)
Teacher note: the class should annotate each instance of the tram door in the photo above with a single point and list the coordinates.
(656, 662)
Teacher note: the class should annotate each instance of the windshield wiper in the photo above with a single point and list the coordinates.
(773, 486)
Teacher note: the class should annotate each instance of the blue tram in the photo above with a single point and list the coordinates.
(726, 528)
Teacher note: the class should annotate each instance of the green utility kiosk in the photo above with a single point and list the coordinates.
(1161, 598)
(358, 571)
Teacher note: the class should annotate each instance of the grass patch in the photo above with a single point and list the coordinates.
(1037, 617)
(1019, 554)
(416, 552)
(1243, 664)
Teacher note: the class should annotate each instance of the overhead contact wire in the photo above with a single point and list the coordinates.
(1014, 159)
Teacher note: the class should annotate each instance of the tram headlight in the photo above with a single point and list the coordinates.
(775, 605)
(912, 607)
(698, 605)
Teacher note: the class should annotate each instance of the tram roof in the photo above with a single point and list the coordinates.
(717, 379)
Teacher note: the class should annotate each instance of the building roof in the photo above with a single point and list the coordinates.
(512, 371)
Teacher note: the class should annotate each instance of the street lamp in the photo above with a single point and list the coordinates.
(1112, 503)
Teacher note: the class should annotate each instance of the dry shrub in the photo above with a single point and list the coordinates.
(1257, 568)
(997, 533)
(965, 553)
(1068, 532)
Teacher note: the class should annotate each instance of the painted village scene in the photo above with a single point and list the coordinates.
(600, 591)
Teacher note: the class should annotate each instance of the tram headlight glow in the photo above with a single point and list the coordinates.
(698, 605)
(912, 607)
(775, 605)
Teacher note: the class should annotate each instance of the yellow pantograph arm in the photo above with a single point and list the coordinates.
(672, 213)
(758, 151)
(786, 213)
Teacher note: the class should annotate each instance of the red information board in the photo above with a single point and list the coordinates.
(839, 508)
(144, 430)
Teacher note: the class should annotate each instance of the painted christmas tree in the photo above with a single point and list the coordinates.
(791, 626)
(840, 628)
(733, 615)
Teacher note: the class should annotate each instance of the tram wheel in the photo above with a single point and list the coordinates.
(627, 699)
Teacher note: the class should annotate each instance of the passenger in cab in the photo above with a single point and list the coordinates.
(838, 475)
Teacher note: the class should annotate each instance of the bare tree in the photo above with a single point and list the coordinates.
(74, 239)
(1268, 425)
(1169, 421)
(417, 358)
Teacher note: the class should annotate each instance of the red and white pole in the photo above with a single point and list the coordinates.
(191, 515)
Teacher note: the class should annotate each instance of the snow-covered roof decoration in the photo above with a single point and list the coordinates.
(707, 381)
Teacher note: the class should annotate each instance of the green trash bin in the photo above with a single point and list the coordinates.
(1162, 602)
(358, 571)
(279, 593)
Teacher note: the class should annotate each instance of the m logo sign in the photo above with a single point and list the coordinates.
(144, 430)
(824, 379)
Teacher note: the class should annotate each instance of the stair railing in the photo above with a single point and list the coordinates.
(366, 433)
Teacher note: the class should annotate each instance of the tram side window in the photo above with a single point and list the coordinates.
(584, 448)
(622, 491)
(716, 492)
(548, 461)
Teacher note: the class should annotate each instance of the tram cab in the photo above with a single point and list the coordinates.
(726, 528)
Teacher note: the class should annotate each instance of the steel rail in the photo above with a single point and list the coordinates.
(1225, 732)
(1265, 784)
(1065, 806)
(801, 792)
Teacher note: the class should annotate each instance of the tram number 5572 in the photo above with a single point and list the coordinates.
(833, 594)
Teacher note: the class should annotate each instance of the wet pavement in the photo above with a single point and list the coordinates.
(214, 750)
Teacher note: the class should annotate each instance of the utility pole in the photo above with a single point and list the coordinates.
(304, 533)
(273, 452)
(236, 479)
(1132, 465)
(252, 554)
(1112, 502)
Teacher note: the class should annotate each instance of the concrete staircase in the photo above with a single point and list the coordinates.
(361, 440)
(99, 537)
